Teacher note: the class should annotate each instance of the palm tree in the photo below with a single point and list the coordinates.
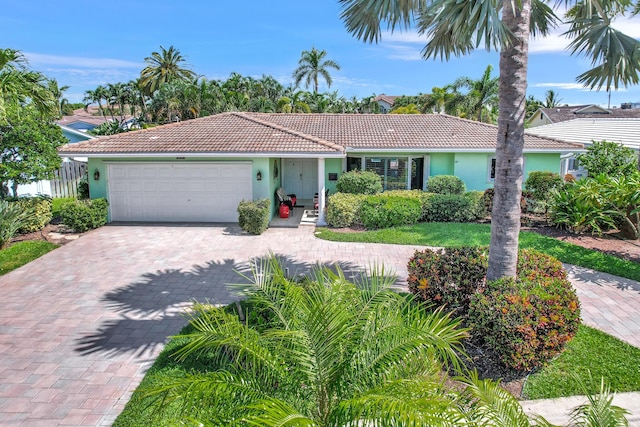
(552, 100)
(58, 94)
(18, 85)
(438, 100)
(334, 354)
(311, 66)
(163, 67)
(455, 27)
(482, 95)
(97, 95)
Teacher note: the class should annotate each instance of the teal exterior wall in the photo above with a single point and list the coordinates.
(541, 162)
(441, 164)
(473, 169)
(332, 166)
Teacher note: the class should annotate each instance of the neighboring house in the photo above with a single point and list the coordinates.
(44, 187)
(199, 170)
(625, 131)
(547, 116)
(385, 102)
(83, 121)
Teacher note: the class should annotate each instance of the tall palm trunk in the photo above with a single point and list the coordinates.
(505, 220)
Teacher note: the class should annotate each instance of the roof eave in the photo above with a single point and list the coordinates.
(202, 155)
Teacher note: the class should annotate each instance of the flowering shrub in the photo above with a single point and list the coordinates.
(448, 277)
(527, 320)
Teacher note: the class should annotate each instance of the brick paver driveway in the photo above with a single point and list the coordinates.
(79, 326)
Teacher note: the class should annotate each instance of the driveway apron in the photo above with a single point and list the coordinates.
(80, 325)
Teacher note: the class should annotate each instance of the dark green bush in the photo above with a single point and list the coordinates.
(40, 213)
(448, 277)
(446, 184)
(356, 182)
(451, 208)
(422, 196)
(389, 211)
(83, 215)
(541, 183)
(83, 189)
(343, 210)
(254, 216)
(526, 321)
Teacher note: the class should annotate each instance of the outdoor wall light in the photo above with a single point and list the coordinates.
(259, 176)
(96, 175)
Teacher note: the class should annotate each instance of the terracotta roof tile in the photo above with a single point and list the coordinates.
(264, 133)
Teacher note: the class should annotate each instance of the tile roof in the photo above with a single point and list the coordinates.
(265, 133)
(389, 99)
(584, 131)
(564, 113)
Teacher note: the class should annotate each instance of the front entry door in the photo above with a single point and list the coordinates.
(300, 177)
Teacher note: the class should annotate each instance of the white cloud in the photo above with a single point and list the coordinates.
(568, 86)
(39, 60)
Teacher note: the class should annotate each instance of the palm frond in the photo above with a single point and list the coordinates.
(543, 18)
(275, 413)
(600, 410)
(363, 18)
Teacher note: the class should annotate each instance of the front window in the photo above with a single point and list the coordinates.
(393, 171)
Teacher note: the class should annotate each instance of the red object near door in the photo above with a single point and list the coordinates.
(284, 211)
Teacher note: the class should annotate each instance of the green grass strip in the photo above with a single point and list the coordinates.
(22, 253)
(590, 351)
(455, 234)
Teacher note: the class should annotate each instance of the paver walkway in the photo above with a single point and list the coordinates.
(80, 326)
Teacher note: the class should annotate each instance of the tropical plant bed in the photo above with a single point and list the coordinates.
(54, 233)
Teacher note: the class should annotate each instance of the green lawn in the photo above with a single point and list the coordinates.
(454, 234)
(590, 351)
(22, 253)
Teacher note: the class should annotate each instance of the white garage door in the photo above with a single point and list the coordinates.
(178, 192)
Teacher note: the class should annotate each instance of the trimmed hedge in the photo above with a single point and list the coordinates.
(357, 182)
(446, 184)
(253, 216)
(422, 196)
(83, 215)
(343, 209)
(451, 208)
(40, 212)
(389, 211)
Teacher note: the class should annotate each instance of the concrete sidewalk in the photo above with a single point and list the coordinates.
(80, 326)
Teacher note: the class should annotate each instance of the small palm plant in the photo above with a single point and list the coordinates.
(335, 354)
(12, 218)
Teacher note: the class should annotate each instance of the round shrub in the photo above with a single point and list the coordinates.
(446, 184)
(83, 215)
(527, 320)
(541, 183)
(389, 211)
(448, 277)
(451, 208)
(343, 210)
(422, 196)
(253, 216)
(357, 182)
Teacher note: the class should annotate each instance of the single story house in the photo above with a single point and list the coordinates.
(199, 170)
(385, 102)
(625, 131)
(547, 116)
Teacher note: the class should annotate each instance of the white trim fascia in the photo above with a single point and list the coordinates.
(451, 150)
(201, 155)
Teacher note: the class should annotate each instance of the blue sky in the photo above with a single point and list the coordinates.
(84, 43)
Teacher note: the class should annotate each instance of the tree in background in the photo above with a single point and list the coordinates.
(28, 147)
(313, 65)
(163, 67)
(458, 28)
(482, 95)
(19, 85)
(551, 100)
(57, 92)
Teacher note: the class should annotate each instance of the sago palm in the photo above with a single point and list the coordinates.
(454, 27)
(335, 354)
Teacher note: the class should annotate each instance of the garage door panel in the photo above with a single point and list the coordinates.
(184, 192)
